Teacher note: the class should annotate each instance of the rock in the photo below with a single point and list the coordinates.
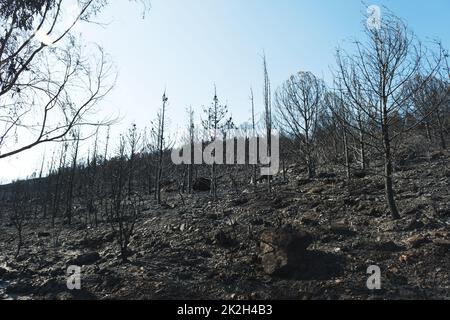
(444, 212)
(85, 259)
(301, 182)
(361, 206)
(43, 234)
(264, 178)
(397, 280)
(239, 201)
(224, 240)
(9, 275)
(389, 246)
(96, 242)
(436, 155)
(375, 213)
(50, 286)
(278, 203)
(202, 184)
(283, 250)
(64, 296)
(316, 190)
(397, 225)
(309, 222)
(21, 287)
(342, 230)
(109, 237)
(414, 225)
(417, 241)
(352, 202)
(169, 206)
(228, 212)
(360, 174)
(442, 243)
(212, 216)
(257, 221)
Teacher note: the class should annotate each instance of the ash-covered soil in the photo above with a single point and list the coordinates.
(192, 248)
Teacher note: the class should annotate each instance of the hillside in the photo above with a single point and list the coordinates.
(192, 248)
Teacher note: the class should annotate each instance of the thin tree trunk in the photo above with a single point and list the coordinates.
(214, 182)
(71, 183)
(161, 149)
(20, 242)
(441, 130)
(346, 154)
(190, 177)
(252, 98)
(389, 185)
(362, 144)
(309, 158)
(428, 129)
(191, 141)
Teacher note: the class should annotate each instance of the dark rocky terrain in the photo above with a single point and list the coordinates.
(325, 232)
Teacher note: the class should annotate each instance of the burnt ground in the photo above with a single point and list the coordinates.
(204, 250)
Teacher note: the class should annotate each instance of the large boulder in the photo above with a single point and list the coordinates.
(202, 184)
(283, 250)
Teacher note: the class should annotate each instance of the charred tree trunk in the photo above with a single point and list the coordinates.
(161, 150)
(441, 130)
(388, 168)
(346, 154)
(72, 181)
(362, 144)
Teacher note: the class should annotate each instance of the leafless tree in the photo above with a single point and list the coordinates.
(336, 104)
(375, 78)
(47, 201)
(71, 178)
(122, 209)
(161, 147)
(429, 105)
(267, 96)
(217, 120)
(299, 102)
(191, 129)
(91, 185)
(149, 143)
(57, 187)
(134, 138)
(255, 167)
(49, 85)
(21, 207)
(105, 155)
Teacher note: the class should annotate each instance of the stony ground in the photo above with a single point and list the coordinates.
(204, 250)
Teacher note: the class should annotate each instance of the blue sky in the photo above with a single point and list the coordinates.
(187, 46)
